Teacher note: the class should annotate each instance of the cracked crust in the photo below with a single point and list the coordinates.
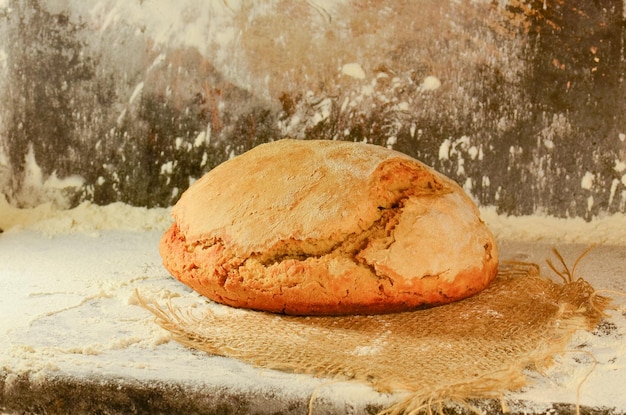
(326, 227)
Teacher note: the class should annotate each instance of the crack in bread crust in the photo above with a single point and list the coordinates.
(366, 233)
(228, 266)
(349, 246)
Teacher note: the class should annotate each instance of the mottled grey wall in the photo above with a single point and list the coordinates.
(111, 100)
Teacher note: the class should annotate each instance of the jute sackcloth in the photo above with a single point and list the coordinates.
(475, 348)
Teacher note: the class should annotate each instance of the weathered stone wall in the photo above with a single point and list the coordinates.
(522, 102)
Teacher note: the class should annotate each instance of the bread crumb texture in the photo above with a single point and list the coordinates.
(328, 227)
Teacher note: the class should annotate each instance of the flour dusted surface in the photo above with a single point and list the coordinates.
(68, 279)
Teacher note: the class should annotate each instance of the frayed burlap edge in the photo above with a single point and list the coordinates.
(249, 337)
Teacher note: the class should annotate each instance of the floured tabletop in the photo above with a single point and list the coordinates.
(74, 340)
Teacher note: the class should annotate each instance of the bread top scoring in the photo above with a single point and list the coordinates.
(303, 197)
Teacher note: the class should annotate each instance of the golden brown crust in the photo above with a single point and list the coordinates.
(317, 227)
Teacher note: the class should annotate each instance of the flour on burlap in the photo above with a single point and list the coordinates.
(476, 348)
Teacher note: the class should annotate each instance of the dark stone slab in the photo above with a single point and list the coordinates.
(112, 396)
(65, 394)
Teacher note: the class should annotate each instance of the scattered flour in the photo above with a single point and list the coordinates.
(609, 230)
(68, 281)
(354, 70)
(587, 181)
(86, 217)
(430, 83)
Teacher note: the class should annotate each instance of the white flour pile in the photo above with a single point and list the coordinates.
(86, 218)
(67, 283)
(609, 230)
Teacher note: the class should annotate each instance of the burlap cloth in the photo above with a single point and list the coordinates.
(476, 348)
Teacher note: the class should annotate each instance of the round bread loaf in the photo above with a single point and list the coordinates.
(312, 227)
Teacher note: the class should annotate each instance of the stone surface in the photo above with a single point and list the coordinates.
(123, 396)
(522, 103)
(75, 340)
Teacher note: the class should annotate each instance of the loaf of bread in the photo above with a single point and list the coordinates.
(315, 227)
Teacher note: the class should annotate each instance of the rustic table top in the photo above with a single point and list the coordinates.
(73, 339)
